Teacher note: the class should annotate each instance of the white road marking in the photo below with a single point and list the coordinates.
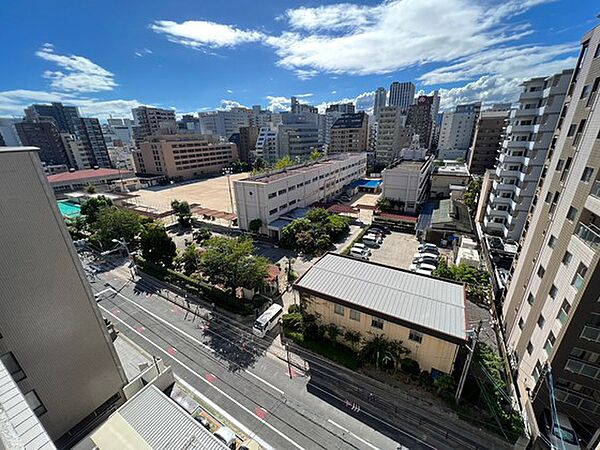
(224, 394)
(192, 338)
(224, 413)
(103, 291)
(358, 438)
(275, 388)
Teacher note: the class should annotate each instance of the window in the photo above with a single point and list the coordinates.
(553, 291)
(521, 323)
(551, 241)
(273, 211)
(537, 371)
(579, 276)
(530, 348)
(564, 312)
(567, 258)
(355, 315)
(13, 366)
(530, 298)
(541, 321)
(376, 322)
(548, 197)
(585, 91)
(549, 343)
(338, 309)
(572, 213)
(272, 195)
(559, 165)
(415, 336)
(35, 403)
(587, 174)
(572, 130)
(541, 271)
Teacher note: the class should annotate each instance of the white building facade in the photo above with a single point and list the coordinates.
(458, 127)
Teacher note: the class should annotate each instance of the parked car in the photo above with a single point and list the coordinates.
(429, 248)
(383, 228)
(359, 254)
(376, 235)
(423, 266)
(376, 232)
(226, 436)
(425, 260)
(427, 255)
(203, 421)
(372, 241)
(363, 247)
(424, 272)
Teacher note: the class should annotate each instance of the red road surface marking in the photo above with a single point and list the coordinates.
(210, 377)
(261, 412)
(116, 311)
(171, 351)
(140, 329)
(294, 373)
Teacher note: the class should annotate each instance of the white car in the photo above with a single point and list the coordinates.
(427, 246)
(427, 255)
(423, 272)
(363, 247)
(422, 266)
(359, 254)
(372, 241)
(225, 435)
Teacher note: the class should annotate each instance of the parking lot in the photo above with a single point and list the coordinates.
(397, 250)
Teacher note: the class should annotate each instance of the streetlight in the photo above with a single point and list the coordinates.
(123, 244)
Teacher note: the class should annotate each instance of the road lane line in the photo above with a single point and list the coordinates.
(192, 338)
(358, 438)
(275, 388)
(220, 391)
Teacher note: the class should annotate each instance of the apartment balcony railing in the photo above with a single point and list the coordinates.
(596, 189)
(591, 333)
(583, 368)
(589, 234)
(576, 400)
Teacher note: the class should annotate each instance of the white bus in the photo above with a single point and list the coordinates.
(267, 320)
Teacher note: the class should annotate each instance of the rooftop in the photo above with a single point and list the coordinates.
(88, 174)
(452, 170)
(429, 303)
(354, 120)
(453, 216)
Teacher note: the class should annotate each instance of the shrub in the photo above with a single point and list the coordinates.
(294, 309)
(254, 225)
(410, 366)
(292, 322)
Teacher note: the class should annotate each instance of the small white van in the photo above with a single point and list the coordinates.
(371, 241)
(358, 253)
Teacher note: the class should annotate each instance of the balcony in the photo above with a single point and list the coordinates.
(531, 95)
(591, 333)
(510, 129)
(526, 112)
(509, 158)
(512, 144)
(589, 234)
(592, 202)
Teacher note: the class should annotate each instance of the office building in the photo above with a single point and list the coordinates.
(524, 152)
(266, 144)
(330, 118)
(428, 315)
(208, 122)
(46, 137)
(419, 117)
(8, 132)
(487, 141)
(379, 102)
(551, 311)
(269, 196)
(300, 108)
(54, 341)
(392, 135)
(65, 117)
(298, 135)
(90, 133)
(344, 108)
(435, 106)
(406, 182)
(77, 153)
(458, 127)
(402, 95)
(350, 133)
(189, 122)
(230, 121)
(150, 121)
(119, 130)
(184, 156)
(247, 145)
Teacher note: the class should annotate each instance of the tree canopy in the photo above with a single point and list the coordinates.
(157, 246)
(284, 162)
(182, 211)
(315, 232)
(315, 155)
(113, 223)
(233, 263)
(472, 193)
(92, 207)
(477, 281)
(188, 259)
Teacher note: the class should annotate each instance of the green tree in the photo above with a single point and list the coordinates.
(157, 246)
(384, 204)
(77, 227)
(201, 235)
(284, 162)
(259, 164)
(188, 259)
(314, 232)
(90, 189)
(315, 155)
(333, 331)
(376, 350)
(183, 212)
(113, 223)
(353, 338)
(91, 208)
(239, 166)
(233, 263)
(254, 225)
(337, 226)
(472, 193)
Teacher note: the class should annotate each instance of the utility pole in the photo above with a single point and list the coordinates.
(465, 372)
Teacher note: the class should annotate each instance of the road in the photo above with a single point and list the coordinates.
(222, 360)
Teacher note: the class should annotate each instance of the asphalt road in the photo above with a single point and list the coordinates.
(221, 359)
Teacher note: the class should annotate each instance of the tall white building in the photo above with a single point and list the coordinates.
(458, 127)
(298, 135)
(270, 196)
(208, 122)
(266, 144)
(392, 135)
(524, 152)
(379, 102)
(230, 121)
(402, 95)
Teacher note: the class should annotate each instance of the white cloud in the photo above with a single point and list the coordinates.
(278, 104)
(340, 16)
(487, 89)
(201, 34)
(334, 92)
(13, 102)
(228, 104)
(229, 91)
(143, 52)
(310, 94)
(304, 74)
(77, 74)
(363, 102)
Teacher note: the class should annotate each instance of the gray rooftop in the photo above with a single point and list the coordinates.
(429, 302)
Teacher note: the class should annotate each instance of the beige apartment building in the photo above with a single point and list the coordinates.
(551, 312)
(487, 141)
(53, 340)
(427, 314)
(350, 133)
(184, 156)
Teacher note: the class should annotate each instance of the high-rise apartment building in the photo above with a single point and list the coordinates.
(551, 312)
(299, 108)
(524, 151)
(149, 121)
(420, 118)
(46, 137)
(487, 141)
(266, 144)
(231, 120)
(298, 135)
(402, 95)
(458, 127)
(53, 339)
(65, 117)
(350, 133)
(184, 156)
(8, 132)
(344, 108)
(247, 145)
(392, 135)
(379, 102)
(77, 153)
(90, 133)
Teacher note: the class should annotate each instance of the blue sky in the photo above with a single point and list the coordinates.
(108, 56)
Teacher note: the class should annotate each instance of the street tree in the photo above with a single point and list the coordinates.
(183, 212)
(157, 246)
(188, 259)
(233, 263)
(92, 207)
(254, 225)
(114, 223)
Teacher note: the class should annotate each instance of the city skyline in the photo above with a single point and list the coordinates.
(322, 53)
